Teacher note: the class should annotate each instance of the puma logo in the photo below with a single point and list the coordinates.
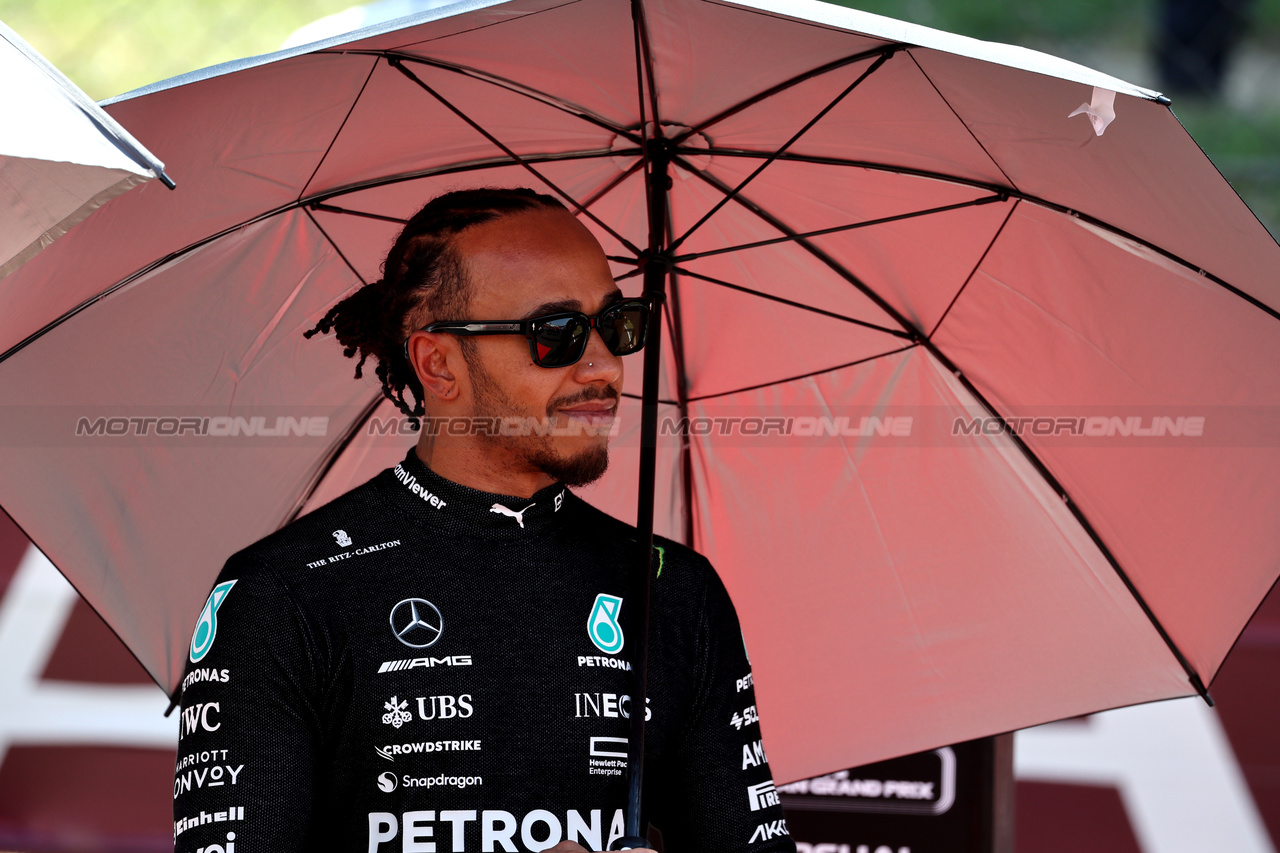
(518, 516)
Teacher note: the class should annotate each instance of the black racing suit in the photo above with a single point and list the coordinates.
(424, 668)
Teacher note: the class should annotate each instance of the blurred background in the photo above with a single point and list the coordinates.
(86, 757)
(1219, 60)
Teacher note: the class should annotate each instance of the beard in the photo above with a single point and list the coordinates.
(580, 470)
(538, 451)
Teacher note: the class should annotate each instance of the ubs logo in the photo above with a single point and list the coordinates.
(416, 622)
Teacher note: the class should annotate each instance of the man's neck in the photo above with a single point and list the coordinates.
(470, 463)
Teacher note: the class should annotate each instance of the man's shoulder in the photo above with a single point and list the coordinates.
(668, 554)
(319, 538)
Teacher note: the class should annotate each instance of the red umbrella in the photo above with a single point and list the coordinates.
(966, 401)
(61, 156)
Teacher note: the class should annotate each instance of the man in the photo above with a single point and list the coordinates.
(434, 661)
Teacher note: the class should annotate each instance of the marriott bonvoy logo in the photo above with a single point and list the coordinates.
(411, 483)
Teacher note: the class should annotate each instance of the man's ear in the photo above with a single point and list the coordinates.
(434, 358)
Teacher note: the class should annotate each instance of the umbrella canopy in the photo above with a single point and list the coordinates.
(876, 230)
(61, 155)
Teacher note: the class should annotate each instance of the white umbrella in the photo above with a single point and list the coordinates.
(61, 155)
(932, 243)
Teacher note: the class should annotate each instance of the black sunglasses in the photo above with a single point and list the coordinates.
(558, 340)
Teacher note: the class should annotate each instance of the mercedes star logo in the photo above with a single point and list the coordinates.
(416, 622)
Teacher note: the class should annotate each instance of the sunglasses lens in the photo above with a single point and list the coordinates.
(560, 341)
(622, 327)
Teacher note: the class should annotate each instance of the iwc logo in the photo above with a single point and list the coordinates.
(417, 623)
(207, 626)
(602, 624)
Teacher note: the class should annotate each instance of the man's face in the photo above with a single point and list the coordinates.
(522, 266)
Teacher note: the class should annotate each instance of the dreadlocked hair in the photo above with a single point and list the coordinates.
(423, 279)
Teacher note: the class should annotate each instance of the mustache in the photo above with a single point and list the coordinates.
(586, 395)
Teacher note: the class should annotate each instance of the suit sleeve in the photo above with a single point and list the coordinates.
(722, 799)
(248, 733)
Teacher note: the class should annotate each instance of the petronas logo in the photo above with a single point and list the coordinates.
(602, 625)
(207, 627)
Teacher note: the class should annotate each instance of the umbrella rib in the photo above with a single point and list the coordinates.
(95, 610)
(613, 184)
(469, 166)
(932, 348)
(334, 455)
(653, 143)
(351, 109)
(631, 396)
(333, 244)
(963, 123)
(977, 266)
(731, 194)
(779, 88)
(820, 160)
(834, 265)
(1010, 191)
(284, 208)
(346, 211)
(1192, 676)
(1252, 300)
(897, 333)
(501, 83)
(640, 46)
(804, 235)
(771, 383)
(644, 60)
(399, 66)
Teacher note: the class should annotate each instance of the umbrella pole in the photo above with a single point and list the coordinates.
(656, 266)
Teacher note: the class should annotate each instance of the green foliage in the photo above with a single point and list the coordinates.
(112, 46)
(1017, 22)
(1246, 149)
(1266, 23)
(1035, 22)
(1240, 136)
(1243, 144)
